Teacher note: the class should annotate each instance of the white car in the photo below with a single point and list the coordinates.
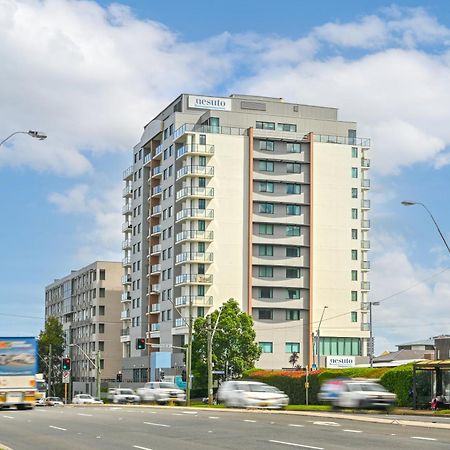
(84, 399)
(161, 392)
(53, 401)
(354, 393)
(251, 394)
(125, 396)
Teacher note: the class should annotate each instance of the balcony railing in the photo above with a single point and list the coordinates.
(125, 314)
(155, 288)
(364, 142)
(365, 265)
(180, 322)
(156, 171)
(194, 235)
(127, 190)
(155, 327)
(365, 327)
(365, 183)
(365, 224)
(202, 171)
(195, 192)
(126, 296)
(128, 173)
(365, 204)
(365, 306)
(155, 308)
(201, 149)
(126, 244)
(156, 249)
(126, 261)
(126, 279)
(147, 158)
(193, 278)
(365, 162)
(156, 229)
(156, 268)
(196, 128)
(125, 332)
(194, 257)
(196, 300)
(156, 210)
(158, 150)
(195, 213)
(127, 209)
(365, 245)
(365, 286)
(126, 226)
(156, 190)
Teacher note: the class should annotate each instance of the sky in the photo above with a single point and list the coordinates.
(92, 74)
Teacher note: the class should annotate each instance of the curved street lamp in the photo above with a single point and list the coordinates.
(34, 134)
(412, 203)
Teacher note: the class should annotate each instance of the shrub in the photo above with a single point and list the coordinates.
(399, 380)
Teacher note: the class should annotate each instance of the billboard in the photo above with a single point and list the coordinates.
(18, 356)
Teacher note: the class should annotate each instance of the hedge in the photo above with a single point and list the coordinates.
(400, 381)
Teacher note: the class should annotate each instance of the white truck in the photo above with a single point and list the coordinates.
(18, 364)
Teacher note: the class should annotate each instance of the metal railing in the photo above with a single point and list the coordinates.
(197, 128)
(194, 235)
(330, 139)
(195, 148)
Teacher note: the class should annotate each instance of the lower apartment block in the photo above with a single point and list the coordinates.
(251, 198)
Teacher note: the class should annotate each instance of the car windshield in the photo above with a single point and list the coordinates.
(372, 387)
(260, 388)
(85, 396)
(126, 391)
(168, 386)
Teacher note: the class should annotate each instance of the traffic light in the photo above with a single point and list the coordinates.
(183, 375)
(66, 363)
(119, 377)
(140, 344)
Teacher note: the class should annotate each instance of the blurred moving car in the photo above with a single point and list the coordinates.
(53, 401)
(125, 396)
(251, 394)
(83, 399)
(161, 392)
(356, 393)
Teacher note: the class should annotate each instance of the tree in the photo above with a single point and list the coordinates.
(52, 335)
(234, 348)
(293, 359)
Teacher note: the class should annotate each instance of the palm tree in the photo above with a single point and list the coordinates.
(293, 359)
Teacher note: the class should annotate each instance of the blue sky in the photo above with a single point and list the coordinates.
(92, 74)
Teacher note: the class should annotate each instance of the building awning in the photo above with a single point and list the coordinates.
(432, 365)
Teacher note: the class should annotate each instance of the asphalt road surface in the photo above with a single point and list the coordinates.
(166, 428)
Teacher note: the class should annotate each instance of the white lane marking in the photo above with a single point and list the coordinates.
(296, 445)
(248, 420)
(86, 415)
(423, 438)
(143, 448)
(189, 412)
(57, 428)
(177, 414)
(213, 417)
(157, 424)
(353, 431)
(327, 424)
(8, 417)
(295, 425)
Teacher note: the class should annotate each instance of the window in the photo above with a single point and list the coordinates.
(202, 139)
(102, 275)
(101, 346)
(266, 187)
(265, 314)
(293, 251)
(354, 152)
(265, 228)
(201, 269)
(265, 271)
(287, 127)
(171, 129)
(101, 328)
(292, 230)
(266, 208)
(354, 192)
(169, 314)
(292, 347)
(292, 272)
(267, 146)
(292, 188)
(201, 225)
(101, 292)
(170, 191)
(354, 233)
(170, 170)
(265, 250)
(201, 203)
(165, 133)
(354, 172)
(293, 294)
(340, 346)
(201, 247)
(354, 296)
(266, 292)
(293, 147)
(354, 275)
(354, 255)
(265, 125)
(354, 316)
(165, 154)
(354, 213)
(293, 210)
(101, 310)
(202, 182)
(201, 290)
(266, 166)
(201, 311)
(202, 161)
(266, 347)
(293, 167)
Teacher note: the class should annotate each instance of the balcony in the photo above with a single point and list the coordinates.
(195, 149)
(156, 172)
(156, 191)
(365, 306)
(365, 183)
(195, 192)
(156, 229)
(155, 249)
(194, 213)
(194, 235)
(155, 308)
(194, 299)
(157, 152)
(193, 278)
(194, 257)
(128, 173)
(127, 209)
(127, 191)
(126, 226)
(365, 224)
(329, 139)
(155, 327)
(200, 171)
(125, 315)
(126, 262)
(147, 159)
(155, 288)
(196, 128)
(365, 265)
(365, 204)
(180, 322)
(365, 327)
(125, 335)
(365, 163)
(126, 244)
(155, 268)
(126, 296)
(365, 286)
(365, 245)
(126, 279)
(156, 210)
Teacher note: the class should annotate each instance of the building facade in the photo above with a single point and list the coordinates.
(87, 303)
(251, 198)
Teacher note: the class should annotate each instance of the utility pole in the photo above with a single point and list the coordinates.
(97, 377)
(371, 349)
(210, 375)
(318, 337)
(50, 363)
(189, 356)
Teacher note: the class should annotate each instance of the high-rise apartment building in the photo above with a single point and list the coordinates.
(87, 303)
(251, 198)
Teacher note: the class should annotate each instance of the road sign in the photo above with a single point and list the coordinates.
(218, 372)
(66, 376)
(306, 384)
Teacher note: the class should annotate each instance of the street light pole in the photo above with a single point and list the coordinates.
(210, 342)
(96, 365)
(318, 337)
(412, 203)
(189, 355)
(34, 134)
(371, 346)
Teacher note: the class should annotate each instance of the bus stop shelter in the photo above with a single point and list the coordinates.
(431, 379)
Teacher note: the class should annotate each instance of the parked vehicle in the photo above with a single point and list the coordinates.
(356, 393)
(251, 394)
(161, 392)
(125, 396)
(53, 401)
(84, 399)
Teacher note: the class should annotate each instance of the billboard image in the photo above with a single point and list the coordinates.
(18, 356)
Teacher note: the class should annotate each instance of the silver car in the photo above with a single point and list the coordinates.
(161, 392)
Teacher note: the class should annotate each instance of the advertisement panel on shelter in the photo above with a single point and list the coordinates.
(18, 356)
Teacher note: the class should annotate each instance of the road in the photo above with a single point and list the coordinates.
(166, 428)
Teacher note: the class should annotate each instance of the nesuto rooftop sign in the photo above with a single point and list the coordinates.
(223, 104)
(340, 362)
